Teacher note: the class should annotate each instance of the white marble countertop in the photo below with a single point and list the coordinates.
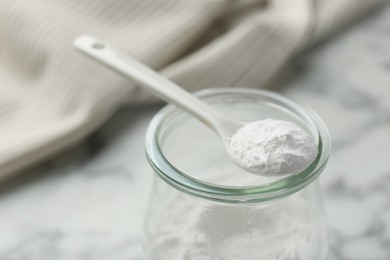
(89, 202)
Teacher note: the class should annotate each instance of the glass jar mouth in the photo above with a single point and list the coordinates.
(244, 194)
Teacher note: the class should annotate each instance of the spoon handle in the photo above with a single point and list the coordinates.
(150, 80)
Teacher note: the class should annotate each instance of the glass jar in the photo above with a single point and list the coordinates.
(204, 207)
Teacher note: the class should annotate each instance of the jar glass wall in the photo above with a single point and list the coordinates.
(203, 206)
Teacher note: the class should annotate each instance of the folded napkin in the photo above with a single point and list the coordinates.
(51, 96)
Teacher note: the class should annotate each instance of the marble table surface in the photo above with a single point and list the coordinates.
(88, 203)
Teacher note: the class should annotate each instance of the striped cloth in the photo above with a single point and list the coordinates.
(51, 97)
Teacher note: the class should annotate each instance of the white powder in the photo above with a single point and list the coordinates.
(273, 147)
(184, 228)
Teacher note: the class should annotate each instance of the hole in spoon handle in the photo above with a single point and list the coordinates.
(98, 45)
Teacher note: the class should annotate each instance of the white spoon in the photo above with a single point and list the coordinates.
(158, 86)
(223, 126)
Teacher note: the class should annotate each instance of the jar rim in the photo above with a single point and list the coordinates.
(245, 194)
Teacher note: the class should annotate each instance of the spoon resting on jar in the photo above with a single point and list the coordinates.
(267, 147)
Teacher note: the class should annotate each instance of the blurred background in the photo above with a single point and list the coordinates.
(74, 180)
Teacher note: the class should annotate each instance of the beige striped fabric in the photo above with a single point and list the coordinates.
(51, 97)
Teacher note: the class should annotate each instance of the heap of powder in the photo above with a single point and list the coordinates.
(273, 147)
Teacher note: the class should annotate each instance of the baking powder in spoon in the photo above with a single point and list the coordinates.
(273, 148)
